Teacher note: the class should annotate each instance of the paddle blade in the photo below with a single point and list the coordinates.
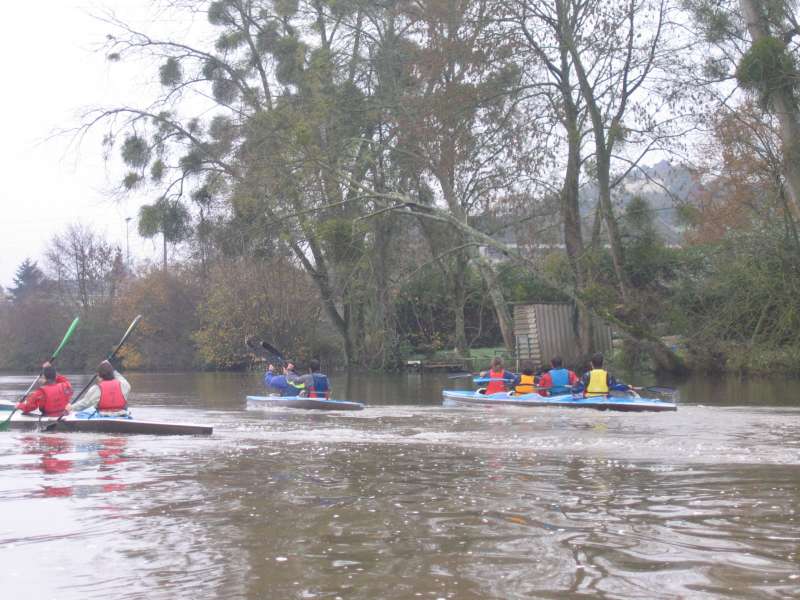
(271, 349)
(66, 337)
(663, 390)
(6, 424)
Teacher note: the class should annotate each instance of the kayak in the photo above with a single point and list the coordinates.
(625, 403)
(72, 423)
(260, 402)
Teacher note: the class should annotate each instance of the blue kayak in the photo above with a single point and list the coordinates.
(301, 402)
(625, 403)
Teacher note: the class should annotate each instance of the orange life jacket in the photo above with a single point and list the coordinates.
(111, 396)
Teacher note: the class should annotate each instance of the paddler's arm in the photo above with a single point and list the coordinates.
(31, 401)
(123, 383)
(90, 400)
(618, 386)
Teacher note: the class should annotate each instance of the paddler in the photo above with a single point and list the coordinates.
(287, 383)
(558, 380)
(51, 398)
(527, 379)
(499, 379)
(109, 398)
(316, 383)
(599, 382)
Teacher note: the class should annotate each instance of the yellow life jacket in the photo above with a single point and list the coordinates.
(598, 383)
(527, 385)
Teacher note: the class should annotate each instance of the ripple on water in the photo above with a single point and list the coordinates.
(398, 502)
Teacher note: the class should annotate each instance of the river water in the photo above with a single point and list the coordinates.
(408, 499)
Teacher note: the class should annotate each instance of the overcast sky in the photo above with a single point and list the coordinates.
(52, 71)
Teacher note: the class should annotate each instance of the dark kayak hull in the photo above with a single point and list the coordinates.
(620, 403)
(108, 425)
(301, 402)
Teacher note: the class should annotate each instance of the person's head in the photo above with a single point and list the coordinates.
(597, 361)
(497, 364)
(313, 365)
(556, 362)
(289, 366)
(49, 373)
(527, 367)
(105, 371)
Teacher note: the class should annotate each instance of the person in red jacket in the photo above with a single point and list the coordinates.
(500, 380)
(52, 397)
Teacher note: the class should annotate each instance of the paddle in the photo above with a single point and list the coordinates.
(131, 327)
(488, 379)
(657, 389)
(462, 375)
(6, 424)
(257, 345)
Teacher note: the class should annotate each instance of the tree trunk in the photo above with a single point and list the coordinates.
(504, 319)
(459, 300)
(785, 108)
(607, 210)
(386, 312)
(164, 263)
(570, 207)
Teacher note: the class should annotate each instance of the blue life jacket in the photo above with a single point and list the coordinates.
(321, 386)
(560, 378)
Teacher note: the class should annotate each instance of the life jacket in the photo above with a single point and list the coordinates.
(560, 381)
(527, 385)
(111, 396)
(56, 397)
(496, 382)
(598, 383)
(321, 388)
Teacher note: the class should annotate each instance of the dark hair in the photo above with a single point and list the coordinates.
(313, 365)
(497, 363)
(597, 360)
(49, 373)
(105, 371)
(556, 362)
(527, 367)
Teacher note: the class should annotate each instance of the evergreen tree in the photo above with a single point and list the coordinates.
(28, 280)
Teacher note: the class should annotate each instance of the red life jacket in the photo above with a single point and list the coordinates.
(56, 397)
(497, 383)
(111, 396)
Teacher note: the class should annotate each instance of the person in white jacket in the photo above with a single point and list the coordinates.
(109, 397)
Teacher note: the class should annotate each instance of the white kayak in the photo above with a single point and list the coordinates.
(105, 425)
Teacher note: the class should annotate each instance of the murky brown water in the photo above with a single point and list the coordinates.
(407, 499)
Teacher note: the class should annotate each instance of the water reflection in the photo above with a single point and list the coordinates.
(405, 500)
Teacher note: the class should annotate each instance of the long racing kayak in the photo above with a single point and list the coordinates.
(625, 403)
(107, 425)
(260, 402)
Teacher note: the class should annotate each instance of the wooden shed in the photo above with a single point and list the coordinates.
(548, 329)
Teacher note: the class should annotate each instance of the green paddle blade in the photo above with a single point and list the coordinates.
(67, 335)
